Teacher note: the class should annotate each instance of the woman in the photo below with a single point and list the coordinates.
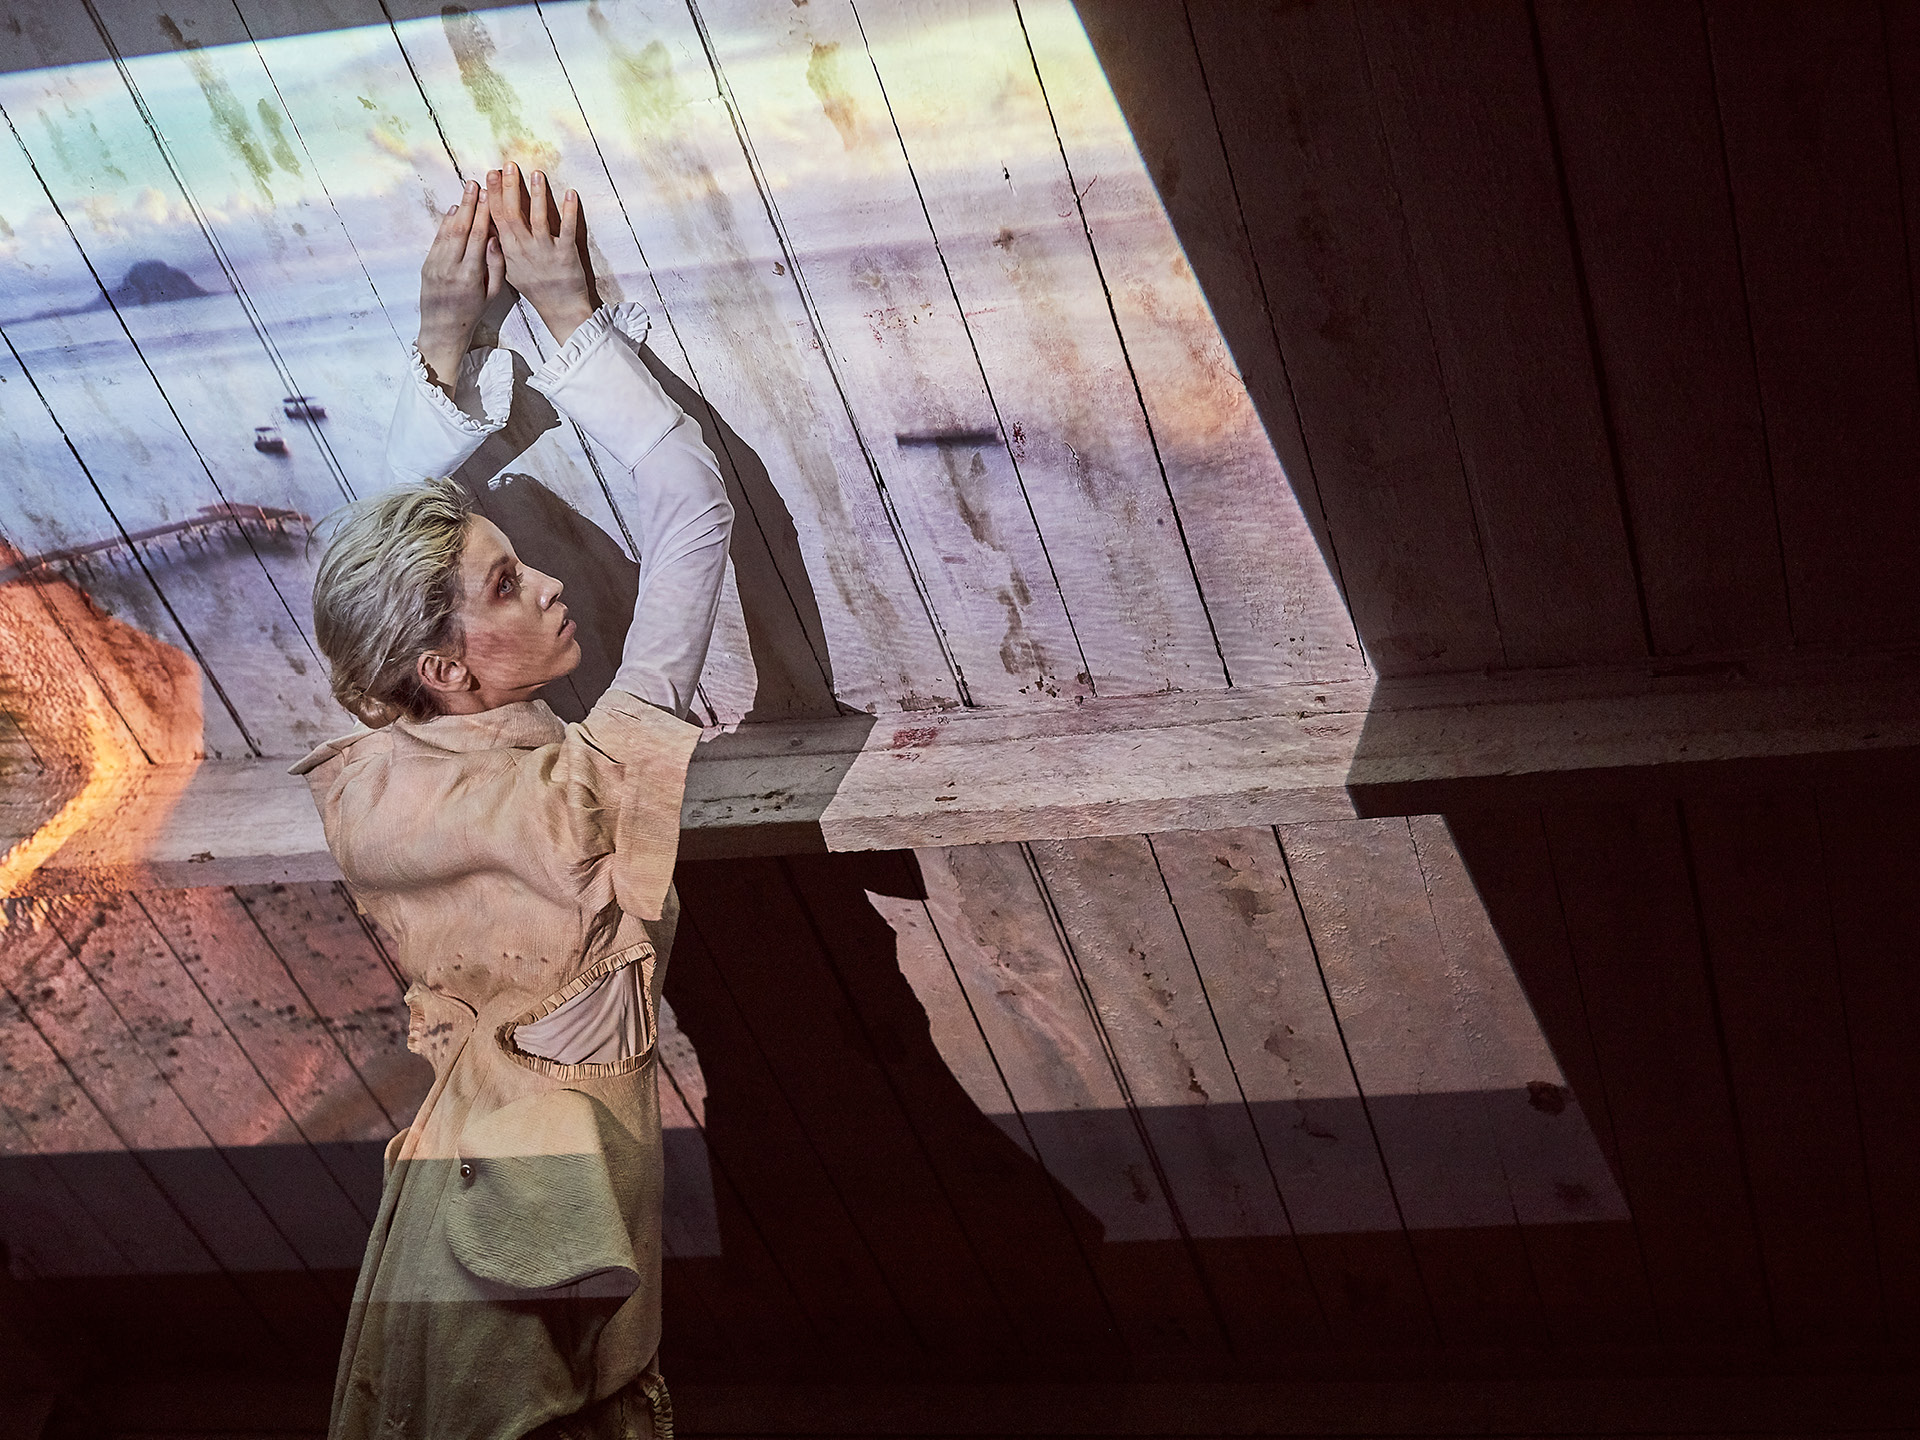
(511, 1285)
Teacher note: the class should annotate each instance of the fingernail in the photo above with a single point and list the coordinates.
(573, 195)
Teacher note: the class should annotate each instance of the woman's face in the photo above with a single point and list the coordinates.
(517, 634)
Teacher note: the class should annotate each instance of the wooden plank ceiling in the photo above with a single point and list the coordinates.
(1057, 360)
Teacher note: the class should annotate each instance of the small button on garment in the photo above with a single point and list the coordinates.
(466, 1171)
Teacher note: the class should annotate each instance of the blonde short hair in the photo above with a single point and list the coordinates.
(388, 592)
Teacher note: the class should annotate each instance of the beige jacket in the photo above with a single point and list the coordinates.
(513, 1272)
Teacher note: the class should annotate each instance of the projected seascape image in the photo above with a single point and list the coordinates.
(855, 231)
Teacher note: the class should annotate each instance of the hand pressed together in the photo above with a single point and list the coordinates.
(497, 236)
(464, 269)
(546, 249)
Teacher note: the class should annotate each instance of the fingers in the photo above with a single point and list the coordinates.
(541, 217)
(506, 200)
(570, 219)
(461, 221)
(496, 266)
(479, 227)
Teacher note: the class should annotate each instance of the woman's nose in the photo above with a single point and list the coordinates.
(550, 589)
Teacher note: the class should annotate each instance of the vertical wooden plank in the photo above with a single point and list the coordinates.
(962, 96)
(1373, 927)
(1275, 609)
(1631, 93)
(924, 1038)
(992, 920)
(357, 997)
(276, 1025)
(1297, 118)
(1871, 847)
(1621, 875)
(1152, 72)
(1157, 1019)
(1243, 925)
(1814, 164)
(829, 1067)
(1769, 940)
(1460, 101)
(775, 1185)
(1491, 880)
(169, 1022)
(840, 192)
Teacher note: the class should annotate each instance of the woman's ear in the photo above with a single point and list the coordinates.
(443, 674)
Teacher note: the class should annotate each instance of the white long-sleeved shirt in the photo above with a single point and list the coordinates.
(679, 509)
(675, 500)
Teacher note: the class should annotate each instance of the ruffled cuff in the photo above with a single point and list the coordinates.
(629, 319)
(432, 435)
(600, 382)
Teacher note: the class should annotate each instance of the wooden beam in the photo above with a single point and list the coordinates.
(1286, 755)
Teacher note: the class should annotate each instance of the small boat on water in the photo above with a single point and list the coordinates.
(303, 407)
(266, 439)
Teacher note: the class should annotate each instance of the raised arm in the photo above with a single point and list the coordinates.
(675, 496)
(452, 399)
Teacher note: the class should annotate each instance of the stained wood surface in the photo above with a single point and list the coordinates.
(1296, 117)
(1814, 168)
(1630, 91)
(1471, 1085)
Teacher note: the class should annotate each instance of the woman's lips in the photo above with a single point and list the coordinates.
(567, 628)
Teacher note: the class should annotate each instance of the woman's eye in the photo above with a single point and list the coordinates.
(508, 584)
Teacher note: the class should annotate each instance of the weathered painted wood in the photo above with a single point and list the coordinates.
(384, 149)
(1156, 1017)
(164, 1143)
(46, 1227)
(191, 424)
(43, 475)
(1297, 118)
(471, 71)
(1249, 942)
(992, 920)
(1868, 842)
(1620, 874)
(1816, 176)
(889, 323)
(1374, 930)
(1478, 183)
(1491, 881)
(352, 987)
(171, 1024)
(1631, 94)
(1131, 766)
(1233, 375)
(247, 983)
(1271, 599)
(962, 95)
(733, 296)
(60, 1121)
(1765, 917)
